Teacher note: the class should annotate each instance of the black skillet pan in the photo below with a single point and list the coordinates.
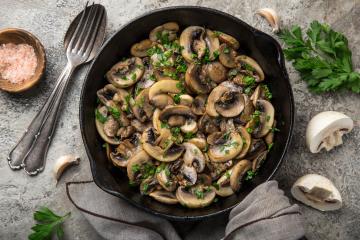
(260, 46)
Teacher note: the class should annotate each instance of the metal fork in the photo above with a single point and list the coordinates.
(81, 46)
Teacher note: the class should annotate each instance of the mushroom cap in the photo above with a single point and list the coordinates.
(164, 196)
(223, 182)
(188, 197)
(196, 80)
(165, 180)
(227, 56)
(140, 49)
(318, 192)
(126, 73)
(226, 150)
(198, 105)
(230, 104)
(165, 86)
(106, 138)
(178, 110)
(140, 158)
(229, 40)
(325, 130)
(142, 108)
(194, 157)
(243, 59)
(212, 43)
(169, 154)
(199, 142)
(192, 42)
(216, 71)
(215, 94)
(238, 173)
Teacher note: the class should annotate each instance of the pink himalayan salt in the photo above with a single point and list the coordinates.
(17, 62)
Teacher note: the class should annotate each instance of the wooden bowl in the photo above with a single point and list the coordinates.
(18, 36)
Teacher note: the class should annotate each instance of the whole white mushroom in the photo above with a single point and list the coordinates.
(318, 192)
(325, 130)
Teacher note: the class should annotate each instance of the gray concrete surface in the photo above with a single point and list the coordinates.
(20, 194)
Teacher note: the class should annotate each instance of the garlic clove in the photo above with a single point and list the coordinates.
(271, 17)
(318, 192)
(325, 130)
(62, 163)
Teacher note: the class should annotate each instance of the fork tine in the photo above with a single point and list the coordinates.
(90, 29)
(85, 28)
(94, 32)
(78, 27)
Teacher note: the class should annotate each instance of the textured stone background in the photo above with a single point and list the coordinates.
(20, 194)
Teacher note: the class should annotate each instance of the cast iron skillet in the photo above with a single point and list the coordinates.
(255, 43)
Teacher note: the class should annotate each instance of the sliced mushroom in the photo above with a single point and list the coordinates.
(194, 157)
(215, 94)
(249, 109)
(111, 93)
(246, 137)
(112, 127)
(125, 132)
(199, 142)
(227, 124)
(269, 138)
(135, 166)
(257, 146)
(142, 108)
(140, 49)
(193, 43)
(162, 100)
(166, 86)
(190, 126)
(198, 105)
(167, 30)
(259, 160)
(186, 100)
(325, 130)
(197, 80)
(156, 121)
(238, 174)
(176, 120)
(123, 152)
(228, 146)
(216, 72)
(230, 103)
(229, 40)
(178, 110)
(170, 154)
(262, 123)
(188, 175)
(223, 188)
(251, 65)
(227, 56)
(216, 169)
(195, 197)
(126, 73)
(259, 93)
(139, 126)
(164, 197)
(212, 43)
(148, 185)
(318, 192)
(208, 124)
(165, 180)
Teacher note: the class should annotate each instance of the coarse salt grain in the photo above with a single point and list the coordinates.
(17, 62)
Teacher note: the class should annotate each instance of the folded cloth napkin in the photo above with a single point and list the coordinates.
(264, 214)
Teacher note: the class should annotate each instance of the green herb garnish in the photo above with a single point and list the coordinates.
(135, 168)
(101, 118)
(48, 224)
(250, 175)
(177, 98)
(164, 125)
(322, 57)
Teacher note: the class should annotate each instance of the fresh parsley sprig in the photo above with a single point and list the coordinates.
(48, 224)
(322, 57)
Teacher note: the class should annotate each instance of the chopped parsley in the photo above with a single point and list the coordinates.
(180, 86)
(270, 146)
(274, 129)
(114, 112)
(135, 168)
(164, 125)
(217, 33)
(199, 193)
(145, 187)
(268, 118)
(152, 77)
(177, 98)
(189, 135)
(250, 175)
(101, 118)
(267, 92)
(137, 90)
(175, 131)
(249, 80)
(226, 50)
(133, 76)
(216, 185)
(249, 130)
(227, 174)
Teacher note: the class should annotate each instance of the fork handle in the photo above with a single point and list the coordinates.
(30, 152)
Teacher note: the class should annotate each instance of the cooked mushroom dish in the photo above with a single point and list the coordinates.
(187, 116)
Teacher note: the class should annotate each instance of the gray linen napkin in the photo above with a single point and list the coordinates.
(264, 214)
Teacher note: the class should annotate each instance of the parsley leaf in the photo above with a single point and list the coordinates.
(48, 224)
(322, 57)
(99, 116)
